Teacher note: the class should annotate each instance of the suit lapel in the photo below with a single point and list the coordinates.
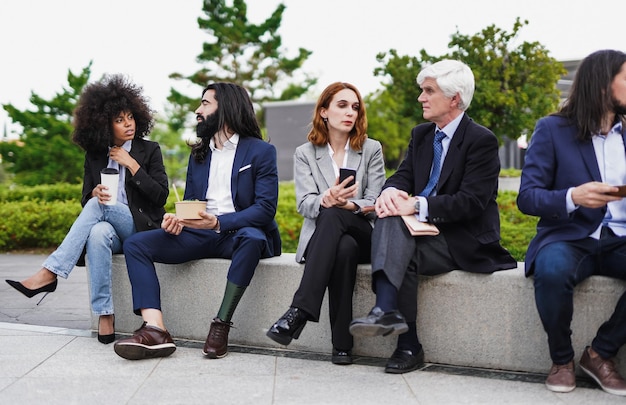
(588, 154)
(243, 147)
(423, 158)
(354, 159)
(325, 163)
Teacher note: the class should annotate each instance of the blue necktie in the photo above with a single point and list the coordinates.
(434, 175)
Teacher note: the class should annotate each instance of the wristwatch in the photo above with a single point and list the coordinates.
(357, 210)
(417, 205)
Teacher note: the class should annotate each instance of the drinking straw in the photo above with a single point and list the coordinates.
(176, 192)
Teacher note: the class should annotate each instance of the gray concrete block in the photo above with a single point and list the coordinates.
(464, 319)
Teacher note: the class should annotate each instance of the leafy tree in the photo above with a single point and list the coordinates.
(515, 85)
(244, 53)
(45, 152)
(174, 149)
(393, 111)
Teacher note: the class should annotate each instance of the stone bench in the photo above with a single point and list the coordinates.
(475, 320)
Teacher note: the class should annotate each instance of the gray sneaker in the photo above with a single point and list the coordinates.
(378, 323)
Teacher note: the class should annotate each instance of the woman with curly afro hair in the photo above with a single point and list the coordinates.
(110, 122)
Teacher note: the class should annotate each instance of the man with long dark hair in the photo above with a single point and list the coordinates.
(574, 162)
(234, 171)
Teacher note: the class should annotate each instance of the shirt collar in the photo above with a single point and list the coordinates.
(452, 126)
(230, 144)
(126, 145)
(617, 128)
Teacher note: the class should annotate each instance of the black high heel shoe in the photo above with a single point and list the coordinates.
(106, 339)
(288, 327)
(48, 288)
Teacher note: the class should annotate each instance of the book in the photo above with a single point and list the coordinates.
(418, 228)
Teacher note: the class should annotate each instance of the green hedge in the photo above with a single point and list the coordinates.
(50, 193)
(39, 217)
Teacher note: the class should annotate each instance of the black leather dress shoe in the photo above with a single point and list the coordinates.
(288, 327)
(403, 361)
(342, 357)
(378, 323)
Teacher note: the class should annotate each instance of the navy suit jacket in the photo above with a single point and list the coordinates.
(554, 162)
(465, 208)
(254, 187)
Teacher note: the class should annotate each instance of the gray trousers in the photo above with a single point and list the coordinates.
(403, 257)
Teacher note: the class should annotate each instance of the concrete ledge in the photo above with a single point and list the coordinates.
(464, 319)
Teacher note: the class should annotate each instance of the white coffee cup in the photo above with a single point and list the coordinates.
(110, 178)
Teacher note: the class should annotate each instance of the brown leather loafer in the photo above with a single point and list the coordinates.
(147, 342)
(604, 372)
(216, 345)
(561, 377)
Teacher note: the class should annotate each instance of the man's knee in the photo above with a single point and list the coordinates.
(554, 264)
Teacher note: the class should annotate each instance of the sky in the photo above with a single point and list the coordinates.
(41, 40)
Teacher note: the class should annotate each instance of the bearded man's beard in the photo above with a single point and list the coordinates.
(208, 126)
(619, 108)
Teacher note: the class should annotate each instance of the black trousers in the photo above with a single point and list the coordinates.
(340, 242)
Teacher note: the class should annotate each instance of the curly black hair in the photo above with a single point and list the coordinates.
(100, 103)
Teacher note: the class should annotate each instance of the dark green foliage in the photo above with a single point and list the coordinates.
(288, 219)
(45, 153)
(35, 224)
(47, 193)
(244, 53)
(516, 228)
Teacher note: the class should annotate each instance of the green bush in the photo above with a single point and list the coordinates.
(516, 228)
(35, 224)
(49, 193)
(39, 217)
(287, 217)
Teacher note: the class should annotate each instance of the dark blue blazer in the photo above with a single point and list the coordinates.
(254, 187)
(554, 162)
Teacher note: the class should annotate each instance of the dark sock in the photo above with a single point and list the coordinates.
(409, 340)
(232, 295)
(386, 293)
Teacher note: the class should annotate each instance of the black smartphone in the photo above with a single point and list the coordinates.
(344, 173)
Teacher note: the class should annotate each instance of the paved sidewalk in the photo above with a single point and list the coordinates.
(49, 355)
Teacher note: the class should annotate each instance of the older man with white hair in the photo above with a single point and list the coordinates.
(449, 178)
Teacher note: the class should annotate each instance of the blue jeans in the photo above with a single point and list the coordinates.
(102, 229)
(558, 268)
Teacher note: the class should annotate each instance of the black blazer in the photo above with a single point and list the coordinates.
(147, 190)
(465, 208)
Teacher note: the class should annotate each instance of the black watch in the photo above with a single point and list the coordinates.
(417, 205)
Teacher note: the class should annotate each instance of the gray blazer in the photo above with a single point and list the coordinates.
(314, 174)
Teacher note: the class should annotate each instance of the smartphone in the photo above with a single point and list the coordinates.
(619, 193)
(344, 173)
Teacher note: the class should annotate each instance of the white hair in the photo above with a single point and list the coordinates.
(452, 77)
